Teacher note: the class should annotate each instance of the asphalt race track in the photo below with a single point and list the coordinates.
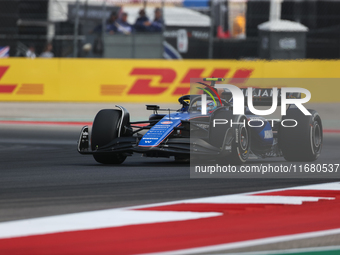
(42, 174)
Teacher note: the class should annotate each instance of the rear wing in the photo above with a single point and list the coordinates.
(261, 96)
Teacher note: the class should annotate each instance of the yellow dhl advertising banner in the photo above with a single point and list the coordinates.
(104, 80)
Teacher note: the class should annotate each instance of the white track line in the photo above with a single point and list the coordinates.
(326, 186)
(93, 220)
(235, 245)
(245, 199)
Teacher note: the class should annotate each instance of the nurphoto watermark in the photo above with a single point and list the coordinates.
(252, 129)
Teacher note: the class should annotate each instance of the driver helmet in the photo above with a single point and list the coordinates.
(210, 105)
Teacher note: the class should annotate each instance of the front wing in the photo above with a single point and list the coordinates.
(129, 145)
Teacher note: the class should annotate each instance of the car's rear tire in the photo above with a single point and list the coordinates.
(303, 142)
(104, 130)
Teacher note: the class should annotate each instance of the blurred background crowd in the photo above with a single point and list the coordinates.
(173, 29)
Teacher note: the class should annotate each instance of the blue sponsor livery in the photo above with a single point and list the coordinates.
(161, 130)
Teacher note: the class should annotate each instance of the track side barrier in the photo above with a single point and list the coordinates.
(103, 80)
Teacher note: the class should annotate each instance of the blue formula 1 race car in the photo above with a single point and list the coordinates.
(188, 132)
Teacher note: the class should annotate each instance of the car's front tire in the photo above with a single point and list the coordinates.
(235, 137)
(241, 142)
(104, 130)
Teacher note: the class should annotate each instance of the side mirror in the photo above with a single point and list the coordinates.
(152, 107)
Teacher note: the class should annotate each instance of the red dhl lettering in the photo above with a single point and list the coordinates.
(6, 88)
(24, 89)
(143, 86)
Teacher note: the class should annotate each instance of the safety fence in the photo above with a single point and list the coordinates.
(218, 29)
